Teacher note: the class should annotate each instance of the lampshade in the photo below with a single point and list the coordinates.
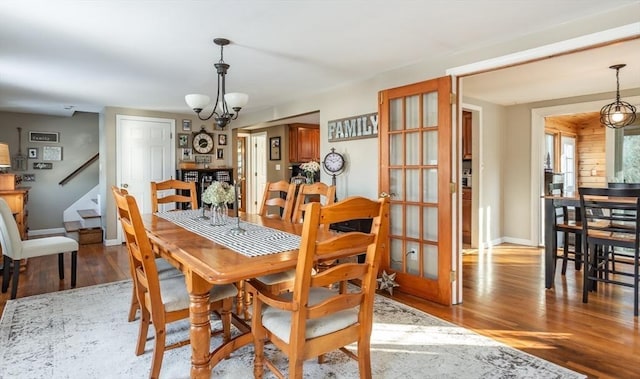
(236, 100)
(196, 101)
(5, 157)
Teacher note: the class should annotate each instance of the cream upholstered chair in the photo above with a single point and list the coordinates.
(314, 319)
(14, 249)
(162, 301)
(324, 193)
(175, 197)
(272, 199)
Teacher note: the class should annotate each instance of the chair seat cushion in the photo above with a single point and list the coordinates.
(166, 270)
(38, 247)
(278, 277)
(175, 296)
(279, 322)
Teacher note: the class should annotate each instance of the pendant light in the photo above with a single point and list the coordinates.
(227, 105)
(619, 113)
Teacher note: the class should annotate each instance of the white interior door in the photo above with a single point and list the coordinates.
(145, 153)
(258, 170)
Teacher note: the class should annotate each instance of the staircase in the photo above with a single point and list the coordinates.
(82, 220)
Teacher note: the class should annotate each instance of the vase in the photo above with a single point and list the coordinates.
(219, 214)
(309, 176)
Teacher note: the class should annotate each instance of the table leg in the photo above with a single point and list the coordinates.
(200, 331)
(549, 243)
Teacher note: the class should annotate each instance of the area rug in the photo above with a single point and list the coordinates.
(84, 333)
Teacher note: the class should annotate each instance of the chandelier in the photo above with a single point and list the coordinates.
(619, 113)
(227, 105)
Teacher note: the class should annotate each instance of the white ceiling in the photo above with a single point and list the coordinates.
(58, 56)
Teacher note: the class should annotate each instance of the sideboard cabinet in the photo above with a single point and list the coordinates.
(17, 201)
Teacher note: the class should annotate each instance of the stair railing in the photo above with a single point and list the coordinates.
(79, 169)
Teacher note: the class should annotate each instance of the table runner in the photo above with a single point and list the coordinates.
(258, 240)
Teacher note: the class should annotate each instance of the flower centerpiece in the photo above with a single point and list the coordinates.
(218, 194)
(310, 168)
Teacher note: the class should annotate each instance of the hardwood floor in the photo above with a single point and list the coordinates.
(504, 298)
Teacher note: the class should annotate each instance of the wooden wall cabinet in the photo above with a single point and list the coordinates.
(17, 200)
(466, 215)
(304, 143)
(466, 135)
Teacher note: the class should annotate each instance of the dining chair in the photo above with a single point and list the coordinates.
(307, 193)
(314, 319)
(14, 249)
(272, 198)
(610, 222)
(181, 192)
(165, 270)
(161, 301)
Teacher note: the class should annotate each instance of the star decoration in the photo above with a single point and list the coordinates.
(387, 282)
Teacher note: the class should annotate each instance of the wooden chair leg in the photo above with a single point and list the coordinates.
(565, 252)
(74, 268)
(14, 283)
(61, 266)
(133, 308)
(158, 353)
(144, 330)
(578, 257)
(5, 272)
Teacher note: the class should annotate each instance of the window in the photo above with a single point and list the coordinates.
(627, 151)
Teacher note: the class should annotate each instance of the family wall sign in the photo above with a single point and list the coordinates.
(356, 127)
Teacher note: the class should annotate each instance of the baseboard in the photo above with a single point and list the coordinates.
(44, 232)
(519, 241)
(115, 242)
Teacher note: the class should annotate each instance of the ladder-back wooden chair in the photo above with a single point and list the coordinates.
(165, 270)
(307, 193)
(178, 194)
(161, 301)
(314, 319)
(272, 198)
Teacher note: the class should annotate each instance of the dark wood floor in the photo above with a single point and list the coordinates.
(504, 298)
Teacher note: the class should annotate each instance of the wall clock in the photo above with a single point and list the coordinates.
(333, 162)
(203, 142)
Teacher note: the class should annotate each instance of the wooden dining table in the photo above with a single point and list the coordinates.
(205, 264)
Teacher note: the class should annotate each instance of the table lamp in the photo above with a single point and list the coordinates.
(5, 157)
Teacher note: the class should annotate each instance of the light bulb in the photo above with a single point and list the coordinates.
(617, 116)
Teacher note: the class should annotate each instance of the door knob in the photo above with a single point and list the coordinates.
(125, 185)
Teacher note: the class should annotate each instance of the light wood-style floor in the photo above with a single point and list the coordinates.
(504, 298)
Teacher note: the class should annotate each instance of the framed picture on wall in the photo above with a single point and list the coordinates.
(32, 153)
(222, 139)
(220, 153)
(274, 148)
(187, 154)
(183, 140)
(186, 125)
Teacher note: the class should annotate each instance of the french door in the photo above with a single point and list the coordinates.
(415, 170)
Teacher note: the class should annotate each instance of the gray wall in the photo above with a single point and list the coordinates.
(79, 142)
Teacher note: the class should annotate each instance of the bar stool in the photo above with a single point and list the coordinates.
(571, 229)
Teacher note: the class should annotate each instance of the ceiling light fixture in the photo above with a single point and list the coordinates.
(619, 113)
(224, 101)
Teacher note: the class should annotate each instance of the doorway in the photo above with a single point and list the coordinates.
(145, 153)
(256, 169)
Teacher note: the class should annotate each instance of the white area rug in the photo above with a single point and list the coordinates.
(83, 333)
